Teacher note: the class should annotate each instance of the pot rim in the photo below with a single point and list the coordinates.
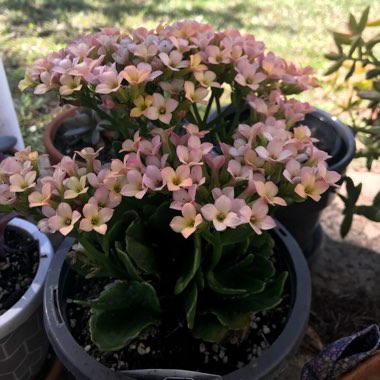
(32, 298)
(269, 364)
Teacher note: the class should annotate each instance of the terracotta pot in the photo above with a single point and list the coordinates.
(369, 369)
(55, 155)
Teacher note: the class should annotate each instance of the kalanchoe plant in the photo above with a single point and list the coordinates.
(178, 220)
(357, 73)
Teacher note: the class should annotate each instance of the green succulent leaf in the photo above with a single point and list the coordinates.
(342, 38)
(268, 298)
(352, 23)
(141, 253)
(208, 328)
(190, 266)
(117, 231)
(236, 235)
(333, 56)
(130, 270)
(372, 73)
(190, 296)
(121, 313)
(232, 320)
(372, 42)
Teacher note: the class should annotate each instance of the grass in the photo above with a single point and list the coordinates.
(29, 29)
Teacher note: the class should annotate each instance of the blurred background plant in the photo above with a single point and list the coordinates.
(354, 82)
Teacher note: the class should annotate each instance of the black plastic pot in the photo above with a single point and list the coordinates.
(268, 366)
(302, 219)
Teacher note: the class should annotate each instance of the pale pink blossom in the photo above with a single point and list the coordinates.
(74, 187)
(37, 198)
(257, 216)
(206, 78)
(152, 178)
(220, 214)
(134, 186)
(64, 219)
(69, 84)
(161, 109)
(95, 218)
(275, 151)
(182, 196)
(142, 104)
(177, 179)
(310, 187)
(174, 60)
(195, 95)
(188, 222)
(20, 183)
(329, 176)
(248, 76)
(139, 74)
(268, 191)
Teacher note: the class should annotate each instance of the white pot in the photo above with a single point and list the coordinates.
(23, 342)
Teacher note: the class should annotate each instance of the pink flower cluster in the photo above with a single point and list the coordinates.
(161, 75)
(266, 165)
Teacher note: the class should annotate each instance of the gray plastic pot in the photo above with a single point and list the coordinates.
(268, 366)
(23, 342)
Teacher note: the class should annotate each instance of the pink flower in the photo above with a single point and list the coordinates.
(195, 95)
(75, 186)
(174, 60)
(248, 76)
(142, 104)
(310, 187)
(95, 218)
(20, 183)
(220, 214)
(40, 198)
(134, 186)
(152, 178)
(182, 196)
(69, 84)
(161, 109)
(274, 151)
(206, 78)
(177, 179)
(267, 192)
(139, 74)
(109, 81)
(257, 216)
(64, 219)
(188, 222)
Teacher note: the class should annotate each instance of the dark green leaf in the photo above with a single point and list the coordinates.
(352, 23)
(268, 298)
(372, 73)
(376, 200)
(342, 38)
(334, 67)
(130, 272)
(140, 252)
(232, 320)
(370, 212)
(221, 288)
(376, 85)
(372, 42)
(355, 44)
(363, 20)
(369, 95)
(208, 328)
(333, 56)
(351, 71)
(137, 308)
(190, 267)
(346, 224)
(236, 235)
(117, 230)
(190, 302)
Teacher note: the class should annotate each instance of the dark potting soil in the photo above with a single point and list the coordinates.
(168, 347)
(18, 266)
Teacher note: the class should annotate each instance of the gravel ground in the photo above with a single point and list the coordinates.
(345, 277)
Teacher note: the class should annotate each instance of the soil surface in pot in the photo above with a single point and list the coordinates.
(168, 347)
(18, 266)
